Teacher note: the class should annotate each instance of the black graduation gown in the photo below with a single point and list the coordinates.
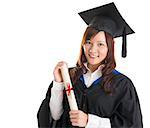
(122, 107)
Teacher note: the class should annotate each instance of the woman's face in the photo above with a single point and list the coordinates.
(96, 48)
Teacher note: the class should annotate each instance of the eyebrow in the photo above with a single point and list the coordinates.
(97, 41)
(101, 41)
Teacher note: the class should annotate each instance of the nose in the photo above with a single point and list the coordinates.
(93, 49)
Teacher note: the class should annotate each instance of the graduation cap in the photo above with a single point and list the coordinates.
(107, 18)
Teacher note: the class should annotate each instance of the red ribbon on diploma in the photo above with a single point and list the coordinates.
(68, 89)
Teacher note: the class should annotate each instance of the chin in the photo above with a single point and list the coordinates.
(93, 63)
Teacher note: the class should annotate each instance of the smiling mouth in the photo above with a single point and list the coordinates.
(93, 57)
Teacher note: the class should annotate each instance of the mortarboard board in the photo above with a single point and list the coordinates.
(107, 18)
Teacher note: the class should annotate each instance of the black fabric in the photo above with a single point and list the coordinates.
(106, 18)
(122, 107)
(44, 117)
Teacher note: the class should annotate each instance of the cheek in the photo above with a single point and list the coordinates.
(86, 49)
(103, 52)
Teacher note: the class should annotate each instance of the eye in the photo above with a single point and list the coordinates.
(88, 42)
(100, 44)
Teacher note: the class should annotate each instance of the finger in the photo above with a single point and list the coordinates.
(75, 124)
(73, 116)
(74, 112)
(60, 64)
(74, 120)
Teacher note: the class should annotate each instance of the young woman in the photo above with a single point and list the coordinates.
(105, 97)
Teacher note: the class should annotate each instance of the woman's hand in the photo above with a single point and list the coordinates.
(78, 118)
(57, 73)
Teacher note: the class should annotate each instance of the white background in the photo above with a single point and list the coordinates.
(36, 34)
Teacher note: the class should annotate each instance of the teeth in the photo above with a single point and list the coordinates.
(93, 56)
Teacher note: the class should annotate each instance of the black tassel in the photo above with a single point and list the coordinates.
(124, 44)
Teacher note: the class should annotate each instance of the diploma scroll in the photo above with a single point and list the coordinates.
(68, 87)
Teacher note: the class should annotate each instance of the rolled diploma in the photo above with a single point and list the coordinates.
(68, 87)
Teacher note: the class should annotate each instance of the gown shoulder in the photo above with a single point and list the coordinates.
(128, 111)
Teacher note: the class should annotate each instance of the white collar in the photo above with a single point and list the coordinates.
(90, 77)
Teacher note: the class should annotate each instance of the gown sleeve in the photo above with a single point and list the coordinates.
(128, 113)
(44, 117)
